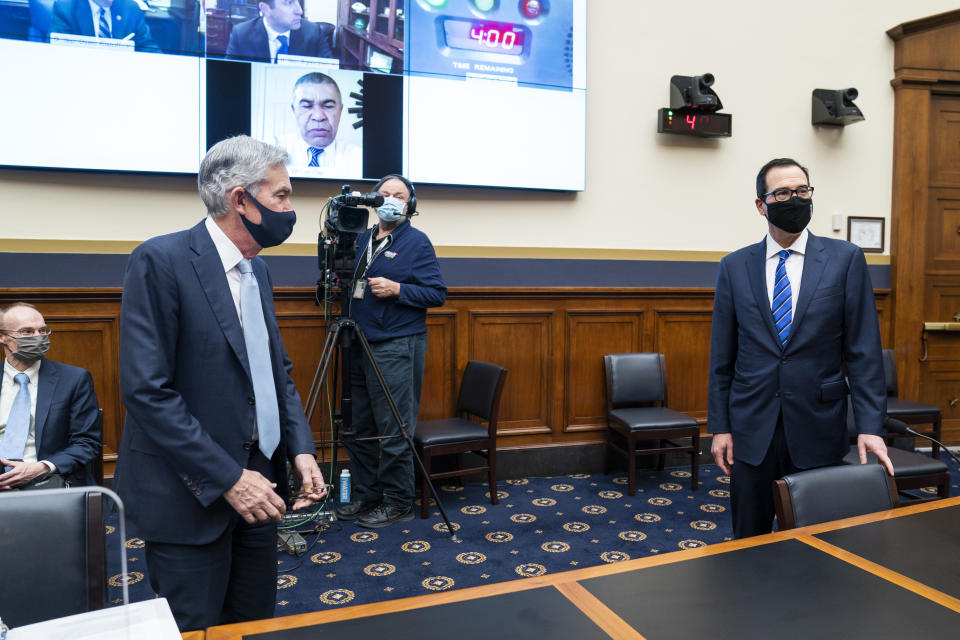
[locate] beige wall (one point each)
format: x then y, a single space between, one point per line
644 191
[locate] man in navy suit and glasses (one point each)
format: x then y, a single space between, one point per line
281 29
213 416
794 318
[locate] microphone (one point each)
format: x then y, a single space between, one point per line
901 428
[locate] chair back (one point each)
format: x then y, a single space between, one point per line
635 379
52 554
890 372
832 493
96 465
480 391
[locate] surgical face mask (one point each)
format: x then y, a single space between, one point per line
31 348
274 227
791 215
391 210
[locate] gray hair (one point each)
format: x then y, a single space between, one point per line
235 162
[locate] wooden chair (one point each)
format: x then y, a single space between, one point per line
910 411
480 392
637 412
97 463
53 554
831 493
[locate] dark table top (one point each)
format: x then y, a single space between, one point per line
780 590
922 546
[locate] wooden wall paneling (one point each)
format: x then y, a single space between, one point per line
683 336
441 377
944 136
90 342
590 336
943 234
521 342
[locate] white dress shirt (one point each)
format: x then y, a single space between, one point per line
794 265
230 256
338 160
273 42
8 391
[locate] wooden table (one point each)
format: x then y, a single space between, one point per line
893 574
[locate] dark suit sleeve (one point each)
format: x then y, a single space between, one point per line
142 37
426 287
862 350
723 353
233 46
149 335
60 20
83 443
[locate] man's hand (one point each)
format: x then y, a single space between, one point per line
21 474
876 446
312 486
383 287
722 450
254 498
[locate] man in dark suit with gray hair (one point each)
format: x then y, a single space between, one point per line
212 412
794 316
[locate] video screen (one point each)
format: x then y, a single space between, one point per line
466 92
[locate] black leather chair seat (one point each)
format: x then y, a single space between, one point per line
906 464
448 431
897 407
642 418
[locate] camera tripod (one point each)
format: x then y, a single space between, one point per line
340 337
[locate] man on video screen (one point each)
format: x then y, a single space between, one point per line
281 29
115 19
317 106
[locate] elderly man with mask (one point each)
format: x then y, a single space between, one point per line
398 278
213 416
49 433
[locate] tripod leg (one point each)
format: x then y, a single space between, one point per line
403 427
320 375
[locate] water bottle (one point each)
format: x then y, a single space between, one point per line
345 486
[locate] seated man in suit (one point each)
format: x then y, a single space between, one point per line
280 29
315 151
48 410
118 19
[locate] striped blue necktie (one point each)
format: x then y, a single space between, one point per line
258 355
103 28
782 305
14 439
314 154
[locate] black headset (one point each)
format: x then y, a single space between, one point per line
412 201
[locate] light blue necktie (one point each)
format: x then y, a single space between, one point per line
258 355
14 439
782 306
314 155
284 47
104 26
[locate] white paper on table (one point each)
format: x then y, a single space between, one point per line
147 620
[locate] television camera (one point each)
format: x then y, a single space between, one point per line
345 218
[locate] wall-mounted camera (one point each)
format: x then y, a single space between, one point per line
835 108
693 109
694 92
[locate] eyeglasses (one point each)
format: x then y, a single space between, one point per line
783 194
26 333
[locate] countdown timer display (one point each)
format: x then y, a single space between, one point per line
489 37
530 42
692 122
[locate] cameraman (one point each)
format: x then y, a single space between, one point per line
397 277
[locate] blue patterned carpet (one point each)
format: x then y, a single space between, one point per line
542 525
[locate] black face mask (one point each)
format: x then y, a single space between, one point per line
791 215
274 227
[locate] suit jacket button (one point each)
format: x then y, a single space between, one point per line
783 360
777 394
251 401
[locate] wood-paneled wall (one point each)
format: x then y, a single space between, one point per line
551 340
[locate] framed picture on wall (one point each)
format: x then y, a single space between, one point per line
866 233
